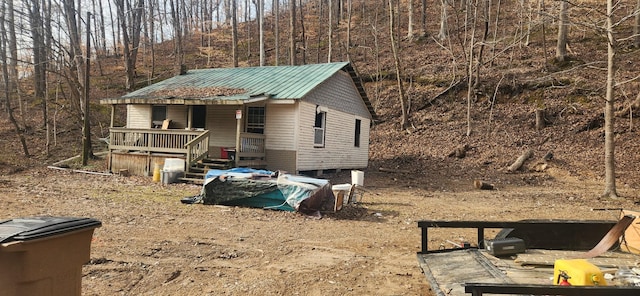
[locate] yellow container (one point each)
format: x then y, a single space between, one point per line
580 271
156 172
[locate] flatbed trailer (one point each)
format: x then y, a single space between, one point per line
473 270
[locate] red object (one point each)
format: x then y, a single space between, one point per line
565 279
223 153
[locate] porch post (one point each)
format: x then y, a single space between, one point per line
238 127
113 111
189 116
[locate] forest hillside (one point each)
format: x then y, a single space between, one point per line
481 83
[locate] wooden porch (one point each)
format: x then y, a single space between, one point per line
139 149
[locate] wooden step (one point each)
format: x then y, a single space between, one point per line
198 181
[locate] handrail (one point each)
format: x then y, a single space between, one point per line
197 149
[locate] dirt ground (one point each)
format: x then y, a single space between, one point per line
152 244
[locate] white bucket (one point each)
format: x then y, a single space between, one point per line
357 178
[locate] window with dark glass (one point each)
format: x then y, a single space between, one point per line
158 115
319 129
356 142
255 120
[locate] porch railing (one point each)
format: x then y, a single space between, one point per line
251 146
194 145
197 149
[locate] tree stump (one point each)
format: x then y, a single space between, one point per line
483 185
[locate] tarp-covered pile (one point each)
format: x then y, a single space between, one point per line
267 189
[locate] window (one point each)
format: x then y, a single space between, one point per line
319 129
255 120
356 141
158 115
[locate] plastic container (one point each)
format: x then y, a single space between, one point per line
156 172
173 170
580 271
357 178
173 165
44 255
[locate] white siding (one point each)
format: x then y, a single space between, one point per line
221 123
280 126
138 116
339 93
178 115
339 151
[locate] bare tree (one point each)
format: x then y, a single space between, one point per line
609 118
636 26
410 24
177 34
39 54
404 120
260 15
131 42
292 33
330 45
302 31
443 33
6 78
563 24
276 10
234 32
470 71
13 52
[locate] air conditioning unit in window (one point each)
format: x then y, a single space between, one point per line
318 137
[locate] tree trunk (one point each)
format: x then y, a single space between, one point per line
636 26
483 185
260 15
303 37
423 18
276 9
176 22
292 33
330 45
609 118
234 33
86 129
410 24
348 45
404 121
13 61
6 79
470 83
563 24
443 33
39 54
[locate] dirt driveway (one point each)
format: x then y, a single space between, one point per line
151 244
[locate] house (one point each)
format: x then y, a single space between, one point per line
299 119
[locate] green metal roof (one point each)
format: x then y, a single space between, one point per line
279 82
238 85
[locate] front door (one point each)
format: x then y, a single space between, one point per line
199 116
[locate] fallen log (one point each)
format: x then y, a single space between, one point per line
520 161
483 185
